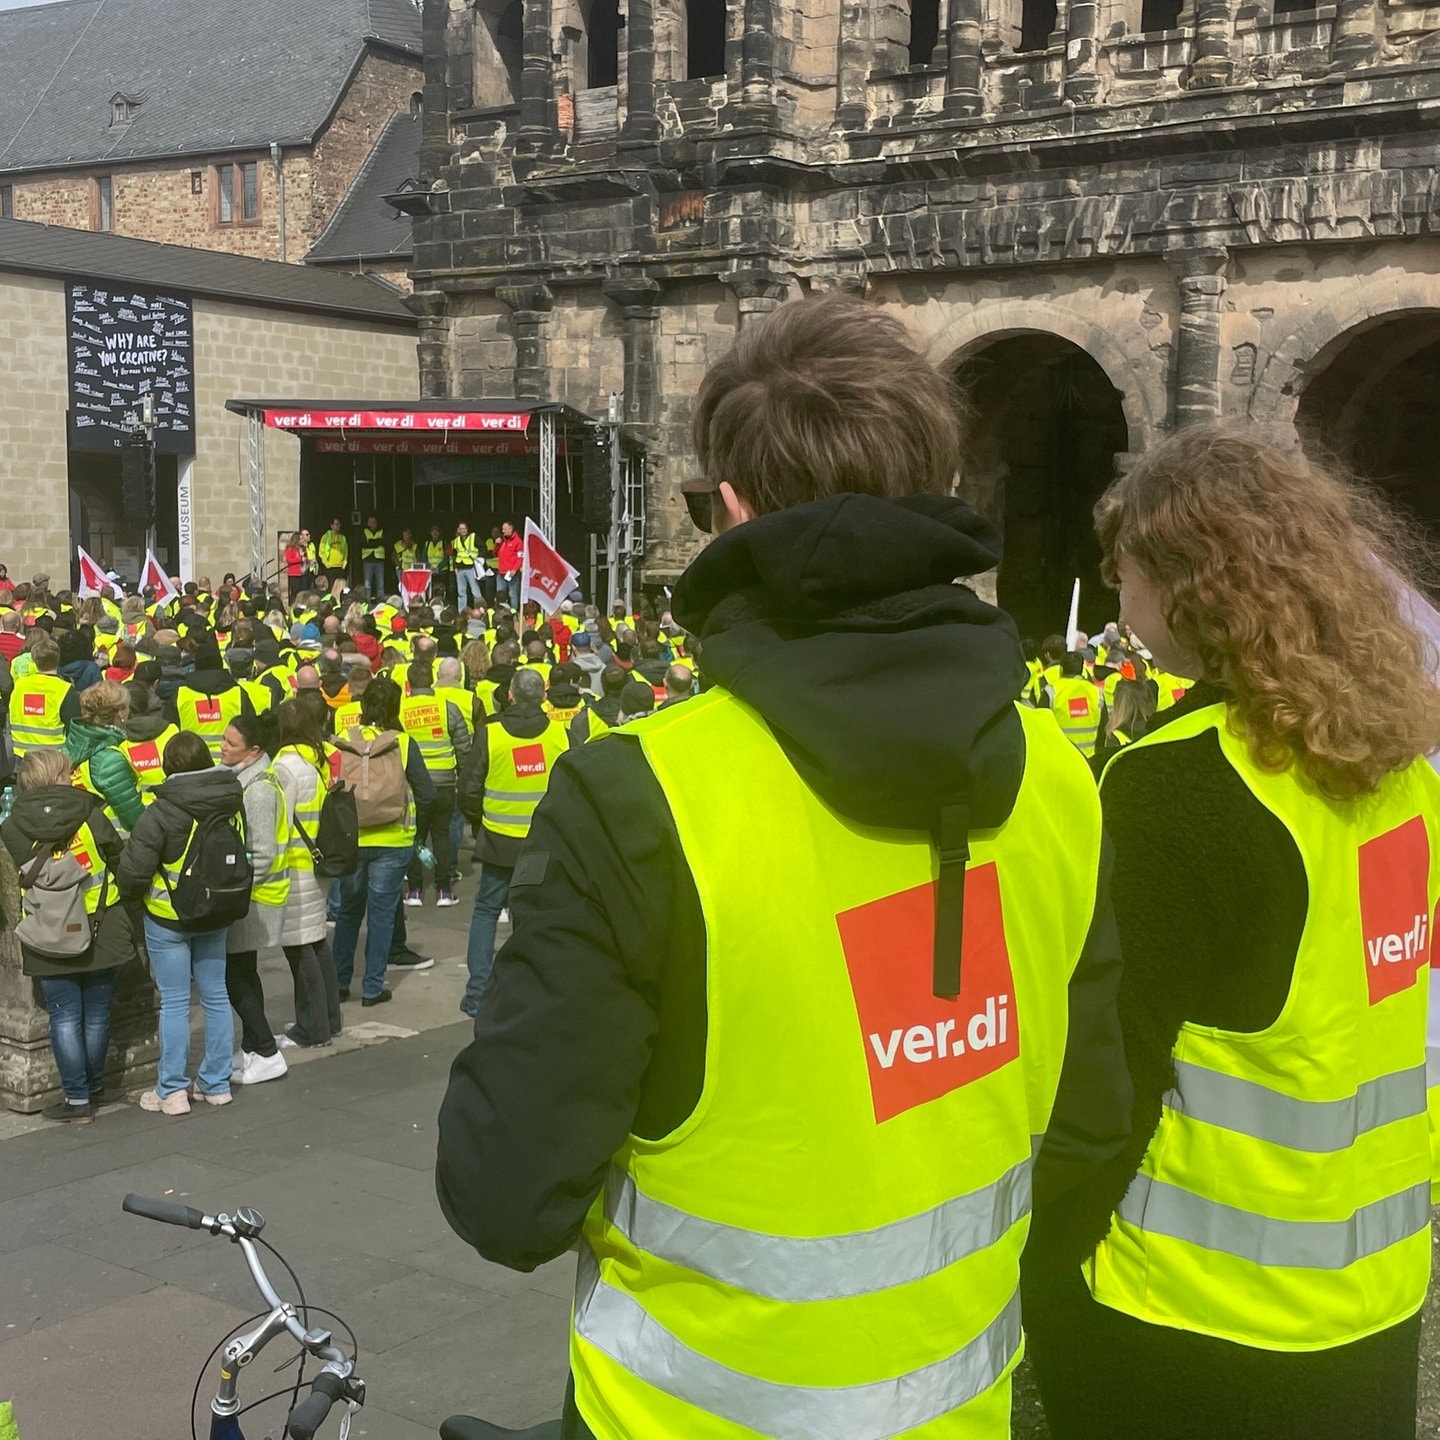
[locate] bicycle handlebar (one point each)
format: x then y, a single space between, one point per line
310 1414
169 1212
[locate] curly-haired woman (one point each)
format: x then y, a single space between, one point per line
1264 1246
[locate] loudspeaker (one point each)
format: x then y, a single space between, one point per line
137 481
595 480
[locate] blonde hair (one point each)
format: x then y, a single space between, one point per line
475 657
105 703
826 397
1283 579
47 766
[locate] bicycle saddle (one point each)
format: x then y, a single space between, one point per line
467 1427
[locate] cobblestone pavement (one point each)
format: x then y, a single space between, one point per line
105 1319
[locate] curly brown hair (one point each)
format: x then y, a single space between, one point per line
1284 578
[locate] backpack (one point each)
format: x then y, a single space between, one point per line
54 921
375 771
335 847
213 890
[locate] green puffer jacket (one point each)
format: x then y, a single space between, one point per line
111 777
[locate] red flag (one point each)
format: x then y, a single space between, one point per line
153 577
414 584
548 575
92 576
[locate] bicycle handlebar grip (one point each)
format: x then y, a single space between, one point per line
170 1212
309 1415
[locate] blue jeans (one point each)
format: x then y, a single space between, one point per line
79 1007
374 890
175 957
480 953
374 578
457 836
466 583
511 587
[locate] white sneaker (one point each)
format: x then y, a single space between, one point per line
504 917
284 1042
259 1068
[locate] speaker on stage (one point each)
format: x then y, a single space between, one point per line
137 480
595 480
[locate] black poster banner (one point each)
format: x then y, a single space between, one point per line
126 343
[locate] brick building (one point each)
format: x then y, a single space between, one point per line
195 122
1107 217
256 327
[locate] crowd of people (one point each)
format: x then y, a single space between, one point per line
134 724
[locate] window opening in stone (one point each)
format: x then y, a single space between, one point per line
704 38
499 52
1159 15
603 35
924 30
1291 7
1037 20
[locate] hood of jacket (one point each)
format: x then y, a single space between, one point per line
82 674
84 740
209 682
50 815
565 697
524 720
201 794
147 726
891 688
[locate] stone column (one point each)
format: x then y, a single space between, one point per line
1082 49
1214 62
757 63
963 69
1200 275
530 303
429 306
852 63
638 297
758 290
537 80
1355 40
641 126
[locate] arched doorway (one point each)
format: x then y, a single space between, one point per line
1374 409
1044 427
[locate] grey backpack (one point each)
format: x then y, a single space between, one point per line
54 921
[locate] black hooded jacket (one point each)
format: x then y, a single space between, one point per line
892 691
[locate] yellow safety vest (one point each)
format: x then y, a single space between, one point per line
1033 682
1284 1200
402 832
261 696
334 550
80 778
518 776
596 725
273 888
35 712
811 1253
306 812
1077 710
146 759
406 555
435 555
1111 681
164 880
1169 689
373 545
208 715
462 700
485 691
87 855
561 714
466 551
424 720
310 555
347 716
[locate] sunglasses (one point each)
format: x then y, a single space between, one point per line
700 496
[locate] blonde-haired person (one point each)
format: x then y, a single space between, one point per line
94 746
1266 1238
1126 718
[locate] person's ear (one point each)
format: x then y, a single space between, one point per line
736 508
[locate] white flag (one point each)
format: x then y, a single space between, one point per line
153 577
548 576
92 575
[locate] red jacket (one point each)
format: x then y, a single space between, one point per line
562 633
510 554
11 645
369 647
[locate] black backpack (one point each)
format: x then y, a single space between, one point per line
213 890
335 847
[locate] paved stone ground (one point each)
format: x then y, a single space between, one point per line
106 1318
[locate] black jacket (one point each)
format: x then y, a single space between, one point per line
163 831
50 817
594 1025
525 722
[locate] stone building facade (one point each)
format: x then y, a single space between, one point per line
1107 217
120 134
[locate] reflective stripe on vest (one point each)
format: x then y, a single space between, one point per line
762 1295
517 777
208 716
373 547
466 552
1283 1201
146 759
274 888
1077 712
462 700
81 778
87 855
35 712
426 723
306 811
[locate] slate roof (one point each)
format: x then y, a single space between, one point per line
52 250
364 227
216 74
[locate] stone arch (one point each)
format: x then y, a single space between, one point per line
1144 395
1309 348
